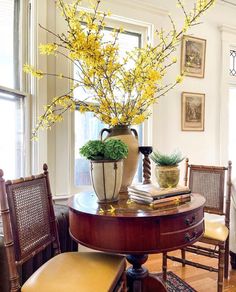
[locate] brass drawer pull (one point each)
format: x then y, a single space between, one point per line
189 238
190 221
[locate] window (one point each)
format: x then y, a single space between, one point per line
87 127
9 49
12 100
232 69
12 134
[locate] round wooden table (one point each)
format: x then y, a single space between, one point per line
135 230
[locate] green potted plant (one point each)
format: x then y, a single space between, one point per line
167 171
106 159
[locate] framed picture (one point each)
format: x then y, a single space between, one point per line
193 53
192 111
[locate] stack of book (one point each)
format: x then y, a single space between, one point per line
159 197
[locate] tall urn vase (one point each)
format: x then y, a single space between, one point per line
130 164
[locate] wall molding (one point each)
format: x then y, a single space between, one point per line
228 2
143 5
227 28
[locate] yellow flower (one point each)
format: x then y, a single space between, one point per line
154 75
114 121
139 119
179 79
30 69
120 88
82 108
112 210
174 59
60 76
48 49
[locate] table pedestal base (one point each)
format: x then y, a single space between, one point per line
138 277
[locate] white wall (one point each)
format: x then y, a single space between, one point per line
201 147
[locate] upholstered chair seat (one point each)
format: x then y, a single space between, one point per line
216 230
77 272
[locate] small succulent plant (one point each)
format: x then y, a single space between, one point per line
166 160
113 149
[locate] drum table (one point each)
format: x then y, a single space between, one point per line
136 230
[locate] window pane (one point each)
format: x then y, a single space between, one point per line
232 66
6 48
12 134
87 127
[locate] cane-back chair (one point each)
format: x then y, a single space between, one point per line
215 186
29 226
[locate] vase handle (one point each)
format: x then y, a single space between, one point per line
104 130
135 133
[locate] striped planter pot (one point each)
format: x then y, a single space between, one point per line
106 177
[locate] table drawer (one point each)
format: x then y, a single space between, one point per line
180 221
176 239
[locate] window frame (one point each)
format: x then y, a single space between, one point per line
228 42
132 28
20 82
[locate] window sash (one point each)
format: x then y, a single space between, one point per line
81 165
13 132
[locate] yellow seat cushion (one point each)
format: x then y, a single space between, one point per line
214 217
77 272
216 230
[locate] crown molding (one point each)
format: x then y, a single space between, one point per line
142 5
231 3
228 28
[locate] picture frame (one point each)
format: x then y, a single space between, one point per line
192 111
193 53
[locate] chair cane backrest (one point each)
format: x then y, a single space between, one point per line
29 224
210 181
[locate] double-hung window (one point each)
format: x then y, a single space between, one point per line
12 98
87 127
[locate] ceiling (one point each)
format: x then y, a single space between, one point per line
233 2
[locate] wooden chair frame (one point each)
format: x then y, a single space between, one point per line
222 208
29 230
14 253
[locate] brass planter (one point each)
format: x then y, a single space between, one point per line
167 176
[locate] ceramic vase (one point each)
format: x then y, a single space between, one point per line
130 137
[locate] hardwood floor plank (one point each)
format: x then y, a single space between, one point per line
199 279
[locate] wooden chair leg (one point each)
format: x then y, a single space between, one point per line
124 283
183 256
221 268
226 265
164 266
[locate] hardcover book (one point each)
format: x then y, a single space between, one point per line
154 192
174 200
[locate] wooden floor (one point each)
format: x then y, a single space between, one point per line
200 280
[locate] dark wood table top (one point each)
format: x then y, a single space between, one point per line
132 228
86 202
